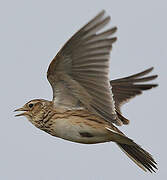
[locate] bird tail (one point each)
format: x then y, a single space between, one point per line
139 156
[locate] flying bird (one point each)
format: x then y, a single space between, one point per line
86 104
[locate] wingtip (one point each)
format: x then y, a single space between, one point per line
115 29
147 70
114 39
155 85
150 69
101 13
154 76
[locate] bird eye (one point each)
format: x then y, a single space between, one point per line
31 105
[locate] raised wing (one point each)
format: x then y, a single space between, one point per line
79 74
127 88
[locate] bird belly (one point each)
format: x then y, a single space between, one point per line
80 130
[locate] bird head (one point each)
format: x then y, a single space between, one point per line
34 109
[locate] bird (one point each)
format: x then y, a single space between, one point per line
86 104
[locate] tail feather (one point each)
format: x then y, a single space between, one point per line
141 157
137 154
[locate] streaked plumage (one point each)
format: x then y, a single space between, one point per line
85 102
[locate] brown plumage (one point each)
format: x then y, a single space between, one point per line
126 88
86 104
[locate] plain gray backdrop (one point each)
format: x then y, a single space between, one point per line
31 33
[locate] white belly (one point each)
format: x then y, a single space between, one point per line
80 131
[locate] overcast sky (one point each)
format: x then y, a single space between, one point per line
31 33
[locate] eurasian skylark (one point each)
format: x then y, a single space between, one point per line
86 104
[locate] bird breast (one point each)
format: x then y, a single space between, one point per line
79 129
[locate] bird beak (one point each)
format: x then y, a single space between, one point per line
21 109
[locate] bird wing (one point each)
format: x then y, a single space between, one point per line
79 73
128 87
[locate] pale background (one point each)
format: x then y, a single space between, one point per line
31 33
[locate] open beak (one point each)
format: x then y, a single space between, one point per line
21 109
